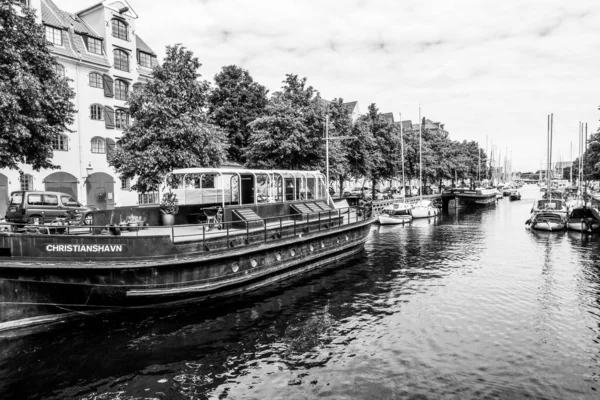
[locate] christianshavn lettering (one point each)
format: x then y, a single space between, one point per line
85 248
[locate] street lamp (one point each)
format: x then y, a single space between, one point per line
88 170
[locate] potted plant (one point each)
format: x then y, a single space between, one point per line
133 222
169 206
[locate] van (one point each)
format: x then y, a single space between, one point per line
38 207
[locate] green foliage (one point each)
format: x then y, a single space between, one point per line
170 127
35 103
169 203
289 135
235 102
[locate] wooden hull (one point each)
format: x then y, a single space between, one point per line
155 272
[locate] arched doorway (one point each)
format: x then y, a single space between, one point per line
100 191
61 182
3 195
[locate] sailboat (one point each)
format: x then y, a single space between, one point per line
424 208
397 213
582 217
549 214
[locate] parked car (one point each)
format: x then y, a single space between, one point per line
30 207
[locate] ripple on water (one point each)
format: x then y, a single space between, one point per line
468 305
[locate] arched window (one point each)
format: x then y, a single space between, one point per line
121 60
60 143
119 29
26 182
121 89
121 118
96 80
97 112
60 70
98 145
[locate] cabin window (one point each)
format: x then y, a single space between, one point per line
50 200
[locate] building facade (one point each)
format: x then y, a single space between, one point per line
98 50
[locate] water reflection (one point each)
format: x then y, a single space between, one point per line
466 305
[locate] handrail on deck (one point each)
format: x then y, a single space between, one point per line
343 216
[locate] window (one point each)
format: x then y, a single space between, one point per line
121 119
97 112
54 35
125 184
24 2
94 45
50 200
121 89
148 198
60 70
68 201
96 80
26 182
60 143
16 198
121 60
34 199
145 60
119 29
98 145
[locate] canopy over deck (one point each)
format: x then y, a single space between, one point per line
237 186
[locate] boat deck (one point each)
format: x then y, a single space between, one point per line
196 232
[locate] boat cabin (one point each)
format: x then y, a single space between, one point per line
550 204
242 194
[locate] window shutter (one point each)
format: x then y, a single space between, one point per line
109 117
85 40
108 86
110 147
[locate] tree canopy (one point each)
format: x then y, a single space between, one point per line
236 101
170 128
35 102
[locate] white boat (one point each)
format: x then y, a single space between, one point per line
397 213
550 212
424 209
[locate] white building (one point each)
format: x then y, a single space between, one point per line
97 49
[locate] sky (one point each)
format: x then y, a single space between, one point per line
491 71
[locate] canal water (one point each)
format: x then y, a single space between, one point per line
469 306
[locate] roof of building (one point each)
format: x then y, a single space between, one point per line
350 106
73 28
389 116
142 46
407 125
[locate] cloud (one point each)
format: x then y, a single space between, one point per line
492 69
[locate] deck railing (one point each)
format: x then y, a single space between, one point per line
218 235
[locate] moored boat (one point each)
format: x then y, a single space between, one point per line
397 213
424 209
477 197
515 195
584 219
86 270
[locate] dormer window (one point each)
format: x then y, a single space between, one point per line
54 35
119 29
94 45
145 60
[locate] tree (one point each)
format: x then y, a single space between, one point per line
235 102
35 103
289 135
385 152
170 128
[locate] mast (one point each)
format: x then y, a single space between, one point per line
420 158
402 151
571 167
548 194
479 165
